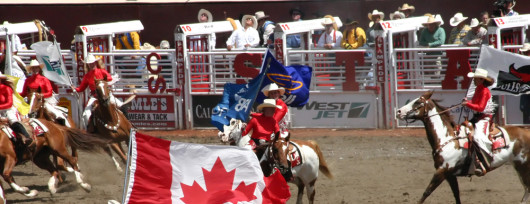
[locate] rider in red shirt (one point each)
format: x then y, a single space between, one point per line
7 110
273 91
483 106
94 72
263 125
36 81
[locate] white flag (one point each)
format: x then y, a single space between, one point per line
54 69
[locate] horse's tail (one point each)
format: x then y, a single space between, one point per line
322 165
83 140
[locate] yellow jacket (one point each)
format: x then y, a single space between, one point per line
124 42
353 40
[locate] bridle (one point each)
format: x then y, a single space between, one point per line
273 162
424 106
33 99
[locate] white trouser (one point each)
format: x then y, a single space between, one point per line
11 114
50 105
90 103
482 130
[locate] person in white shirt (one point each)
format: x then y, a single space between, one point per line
246 37
331 38
205 16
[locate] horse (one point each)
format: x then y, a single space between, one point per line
49 139
110 121
37 110
299 161
452 160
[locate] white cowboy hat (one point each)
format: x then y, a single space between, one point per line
480 73
376 13
399 14
525 47
331 19
204 11
272 87
245 17
407 7
34 63
164 44
457 19
260 15
268 103
90 59
474 23
433 19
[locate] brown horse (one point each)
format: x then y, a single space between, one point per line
54 142
110 121
38 110
452 160
304 158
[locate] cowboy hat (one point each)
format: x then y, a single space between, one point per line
90 59
399 14
245 17
268 103
261 15
525 47
296 10
474 23
329 19
376 13
407 7
480 73
272 87
208 14
457 19
433 19
34 63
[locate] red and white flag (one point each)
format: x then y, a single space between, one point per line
164 171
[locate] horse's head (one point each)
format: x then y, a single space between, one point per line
102 91
36 103
279 155
417 109
232 132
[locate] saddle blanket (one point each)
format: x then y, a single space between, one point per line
8 132
295 156
499 140
38 128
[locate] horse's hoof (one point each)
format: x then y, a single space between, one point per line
24 189
31 193
86 187
69 169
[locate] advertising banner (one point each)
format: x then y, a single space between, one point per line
202 108
337 110
152 111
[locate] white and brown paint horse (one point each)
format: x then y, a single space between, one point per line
449 158
279 154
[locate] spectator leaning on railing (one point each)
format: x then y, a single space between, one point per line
375 17
331 38
433 36
245 37
294 40
477 34
460 29
353 36
407 10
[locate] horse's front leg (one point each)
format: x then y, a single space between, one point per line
453 182
9 164
436 180
116 146
109 152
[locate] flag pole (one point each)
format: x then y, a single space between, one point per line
267 64
133 134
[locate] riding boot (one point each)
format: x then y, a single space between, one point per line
20 130
91 127
125 110
61 121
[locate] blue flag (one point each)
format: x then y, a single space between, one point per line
296 80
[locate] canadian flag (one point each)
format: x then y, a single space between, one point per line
164 171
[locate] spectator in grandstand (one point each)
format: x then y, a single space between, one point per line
353 35
407 10
205 16
397 15
508 8
477 34
164 44
460 29
484 18
130 40
294 41
331 38
525 98
375 17
263 125
433 36
245 37
265 29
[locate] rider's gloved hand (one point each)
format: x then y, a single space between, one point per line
73 89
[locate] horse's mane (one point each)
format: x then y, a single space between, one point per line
446 114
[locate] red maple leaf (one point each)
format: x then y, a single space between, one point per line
218 187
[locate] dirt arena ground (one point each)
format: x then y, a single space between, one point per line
370 166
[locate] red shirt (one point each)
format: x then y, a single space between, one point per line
480 99
262 127
6 97
88 79
36 81
280 113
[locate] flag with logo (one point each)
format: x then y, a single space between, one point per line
296 80
511 71
164 171
49 54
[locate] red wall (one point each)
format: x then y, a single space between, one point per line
160 20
